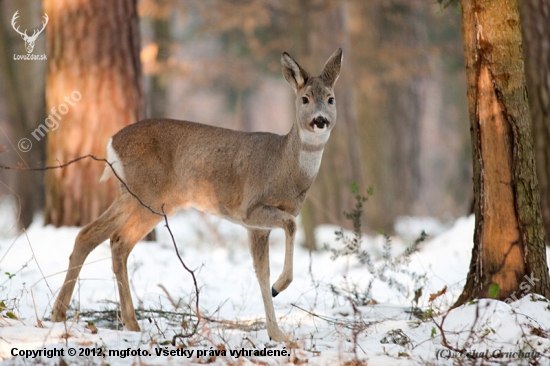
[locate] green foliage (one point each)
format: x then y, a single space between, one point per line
446 3
433 333
494 290
7 312
429 313
351 246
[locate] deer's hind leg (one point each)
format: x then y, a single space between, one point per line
138 223
87 240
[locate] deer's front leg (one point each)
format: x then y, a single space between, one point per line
285 278
269 217
259 248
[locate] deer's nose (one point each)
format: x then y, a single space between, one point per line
320 122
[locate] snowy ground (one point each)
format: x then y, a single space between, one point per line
324 327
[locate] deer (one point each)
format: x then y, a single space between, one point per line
29 40
256 179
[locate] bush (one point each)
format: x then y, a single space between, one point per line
384 270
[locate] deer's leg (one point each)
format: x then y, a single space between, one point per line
138 224
259 247
285 278
270 218
87 240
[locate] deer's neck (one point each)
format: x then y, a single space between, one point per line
308 149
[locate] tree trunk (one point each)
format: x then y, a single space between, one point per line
406 105
330 195
535 20
93 90
159 80
509 237
23 91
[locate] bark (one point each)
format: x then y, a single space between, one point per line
535 20
23 91
159 81
330 195
93 51
509 236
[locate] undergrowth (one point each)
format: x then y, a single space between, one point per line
384 270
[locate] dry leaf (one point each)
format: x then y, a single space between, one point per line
437 294
92 328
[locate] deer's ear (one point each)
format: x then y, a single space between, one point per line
331 70
293 73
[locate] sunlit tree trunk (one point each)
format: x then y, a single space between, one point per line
535 22
93 90
509 236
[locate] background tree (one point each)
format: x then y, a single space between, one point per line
93 49
401 95
509 237
159 76
535 25
22 88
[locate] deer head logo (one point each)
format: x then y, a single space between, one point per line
29 40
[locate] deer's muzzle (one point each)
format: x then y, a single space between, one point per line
320 122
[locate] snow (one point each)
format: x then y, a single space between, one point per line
324 327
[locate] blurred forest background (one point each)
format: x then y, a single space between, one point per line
402 112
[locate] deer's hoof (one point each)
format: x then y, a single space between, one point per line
132 326
277 336
274 292
58 316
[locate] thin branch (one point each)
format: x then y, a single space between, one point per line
163 214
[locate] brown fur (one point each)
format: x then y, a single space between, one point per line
259 180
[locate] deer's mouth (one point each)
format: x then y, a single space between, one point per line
320 122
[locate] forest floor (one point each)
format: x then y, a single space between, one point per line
328 312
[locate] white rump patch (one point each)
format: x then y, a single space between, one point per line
113 159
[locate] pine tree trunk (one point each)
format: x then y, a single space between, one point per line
94 84
535 21
509 237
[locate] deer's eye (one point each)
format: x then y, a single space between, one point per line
331 100
305 100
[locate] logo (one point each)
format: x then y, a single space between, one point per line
29 40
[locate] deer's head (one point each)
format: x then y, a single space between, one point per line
315 102
29 40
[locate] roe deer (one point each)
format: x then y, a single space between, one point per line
258 180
